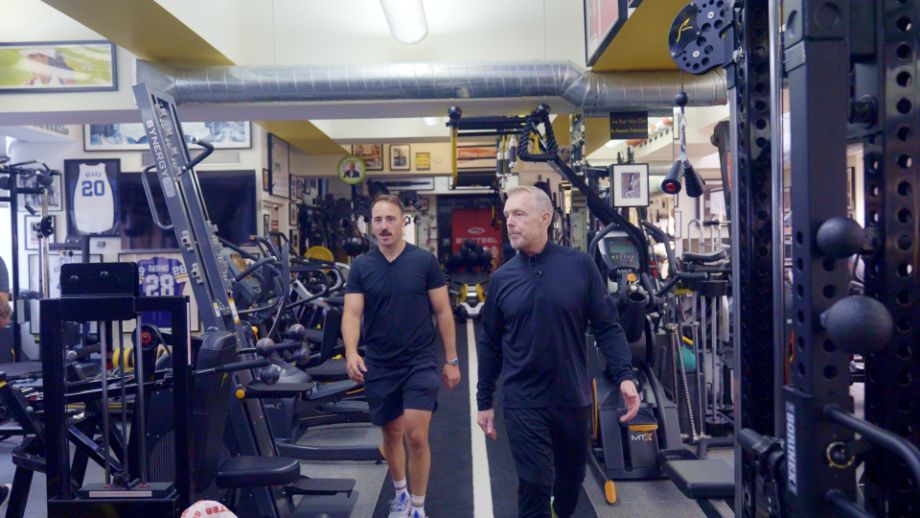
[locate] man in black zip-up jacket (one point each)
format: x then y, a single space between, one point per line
534 321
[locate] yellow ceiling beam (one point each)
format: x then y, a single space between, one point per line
561 129
304 136
144 28
597 133
642 42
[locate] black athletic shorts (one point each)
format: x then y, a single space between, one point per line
389 391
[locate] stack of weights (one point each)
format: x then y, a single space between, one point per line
470 258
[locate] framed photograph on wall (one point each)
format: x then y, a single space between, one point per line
851 189
58 66
279 156
163 273
423 161
293 214
131 136
294 237
35 200
399 157
55 261
630 185
266 180
603 19
372 154
92 196
28 233
476 157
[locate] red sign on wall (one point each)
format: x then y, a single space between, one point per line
476 224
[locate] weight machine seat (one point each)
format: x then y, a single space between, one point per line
333 369
17 369
335 301
252 471
709 258
700 479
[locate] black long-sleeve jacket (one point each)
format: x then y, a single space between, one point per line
533 329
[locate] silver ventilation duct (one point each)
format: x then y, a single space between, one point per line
590 92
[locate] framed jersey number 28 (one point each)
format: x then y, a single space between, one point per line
93 207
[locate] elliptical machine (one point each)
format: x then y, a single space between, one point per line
623 451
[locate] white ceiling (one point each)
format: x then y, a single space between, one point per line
291 32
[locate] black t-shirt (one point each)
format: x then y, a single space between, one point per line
397 329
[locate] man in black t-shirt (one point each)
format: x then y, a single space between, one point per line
397 287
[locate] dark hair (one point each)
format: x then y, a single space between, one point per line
389 198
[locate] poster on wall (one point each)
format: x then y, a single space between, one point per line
35 200
55 261
476 224
371 154
132 137
603 19
57 66
279 161
163 274
92 196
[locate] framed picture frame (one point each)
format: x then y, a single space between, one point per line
163 273
130 136
55 261
299 187
851 189
279 164
31 238
423 161
399 157
35 200
630 185
294 237
603 20
58 66
92 196
477 156
266 225
371 154
293 214
351 169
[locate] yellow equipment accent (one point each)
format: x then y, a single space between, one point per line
643 427
320 253
453 156
610 492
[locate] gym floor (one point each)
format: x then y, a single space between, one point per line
451 488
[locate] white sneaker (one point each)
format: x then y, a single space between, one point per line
416 513
400 505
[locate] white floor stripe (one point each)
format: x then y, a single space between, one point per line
482 482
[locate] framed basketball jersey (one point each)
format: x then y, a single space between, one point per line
92 196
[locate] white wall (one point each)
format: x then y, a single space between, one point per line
355 31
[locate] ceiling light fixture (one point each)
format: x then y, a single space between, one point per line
406 19
431 121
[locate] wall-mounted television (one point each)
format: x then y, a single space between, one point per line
230 198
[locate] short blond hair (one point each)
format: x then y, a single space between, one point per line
539 196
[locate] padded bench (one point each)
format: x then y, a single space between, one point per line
248 471
709 478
